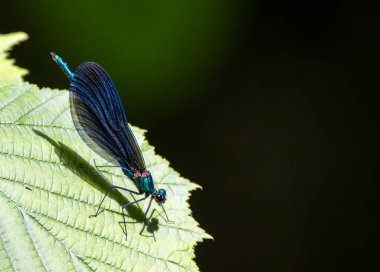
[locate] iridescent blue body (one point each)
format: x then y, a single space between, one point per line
101 122
145 184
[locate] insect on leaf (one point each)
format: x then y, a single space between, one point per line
49 187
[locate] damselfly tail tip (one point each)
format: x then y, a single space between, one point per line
61 63
54 56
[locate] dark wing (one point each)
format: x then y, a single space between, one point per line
99 117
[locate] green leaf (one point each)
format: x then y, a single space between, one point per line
49 187
8 72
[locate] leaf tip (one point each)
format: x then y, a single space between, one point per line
9 72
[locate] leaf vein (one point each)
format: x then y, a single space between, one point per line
95 205
7 251
33 242
36 107
59 115
14 99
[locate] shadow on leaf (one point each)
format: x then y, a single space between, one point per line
80 167
151 228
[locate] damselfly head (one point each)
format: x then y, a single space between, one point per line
160 196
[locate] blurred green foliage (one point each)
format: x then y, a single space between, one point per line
158 52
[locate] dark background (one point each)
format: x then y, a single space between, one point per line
272 106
